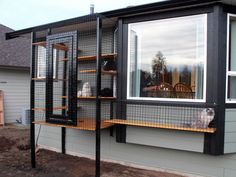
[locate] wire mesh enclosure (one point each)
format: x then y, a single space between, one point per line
170 116
66 89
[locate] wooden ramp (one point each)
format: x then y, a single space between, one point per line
1 108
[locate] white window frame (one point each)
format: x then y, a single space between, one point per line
228 73
203 100
54 65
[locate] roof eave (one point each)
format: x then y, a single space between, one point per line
114 13
22 68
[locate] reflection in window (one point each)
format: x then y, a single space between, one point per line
166 58
231 70
41 62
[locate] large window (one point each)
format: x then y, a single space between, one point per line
231 60
167 59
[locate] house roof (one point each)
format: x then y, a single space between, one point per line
165 4
14 53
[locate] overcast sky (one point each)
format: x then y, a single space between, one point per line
21 14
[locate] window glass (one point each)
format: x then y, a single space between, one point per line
233 45
166 58
41 58
232 87
231 64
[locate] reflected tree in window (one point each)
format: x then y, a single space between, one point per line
158 68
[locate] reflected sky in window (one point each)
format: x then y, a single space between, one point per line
181 40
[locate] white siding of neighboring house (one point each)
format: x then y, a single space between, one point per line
16 87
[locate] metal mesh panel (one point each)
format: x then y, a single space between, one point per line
86 84
179 117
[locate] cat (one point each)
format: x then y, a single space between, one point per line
204 118
86 90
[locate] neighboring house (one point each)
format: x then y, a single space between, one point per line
14 74
165 97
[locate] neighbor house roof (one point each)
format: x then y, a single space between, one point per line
14 53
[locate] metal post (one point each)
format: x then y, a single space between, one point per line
32 99
49 78
63 140
98 93
63 129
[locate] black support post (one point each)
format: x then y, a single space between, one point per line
63 140
98 93
32 98
63 129
49 79
121 80
217 35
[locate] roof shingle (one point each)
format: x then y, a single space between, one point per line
14 52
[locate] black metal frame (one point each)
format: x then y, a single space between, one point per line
98 93
32 103
71 118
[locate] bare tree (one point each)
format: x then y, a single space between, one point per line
158 67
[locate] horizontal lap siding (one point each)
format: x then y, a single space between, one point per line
230 131
181 140
189 141
16 87
82 143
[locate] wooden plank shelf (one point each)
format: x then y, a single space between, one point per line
55 108
92 98
83 124
55 80
94 57
111 72
44 79
160 125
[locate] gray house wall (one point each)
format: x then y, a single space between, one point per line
16 87
82 143
230 131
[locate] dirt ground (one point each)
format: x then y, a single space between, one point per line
15 161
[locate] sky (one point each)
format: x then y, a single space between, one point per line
20 14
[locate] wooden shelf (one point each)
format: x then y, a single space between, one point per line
55 108
94 57
44 79
83 124
159 125
111 72
92 98
55 80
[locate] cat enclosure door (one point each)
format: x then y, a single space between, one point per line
61 78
